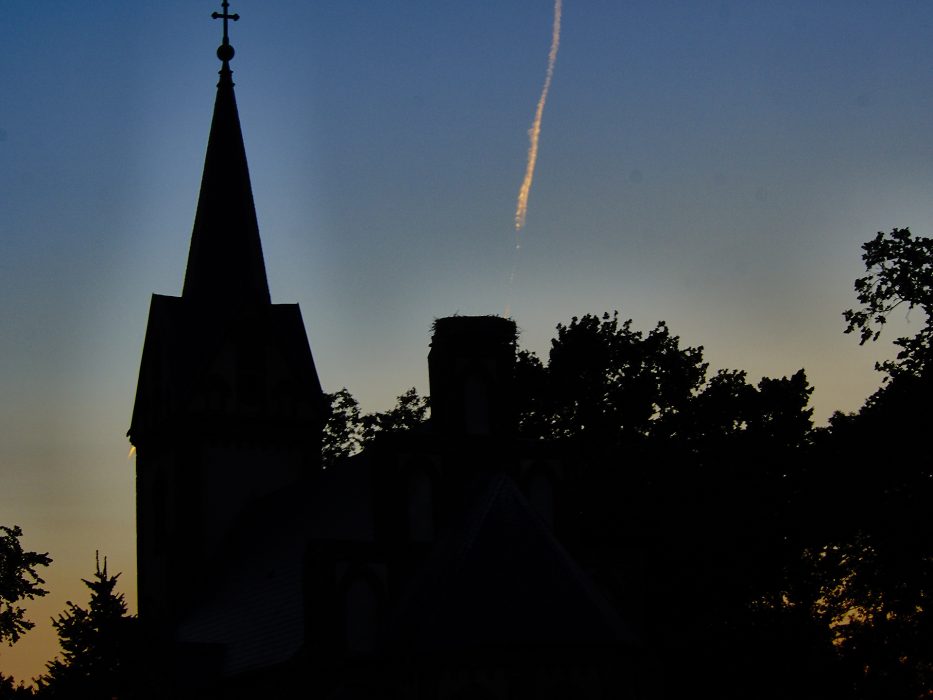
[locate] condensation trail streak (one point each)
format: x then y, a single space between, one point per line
521 208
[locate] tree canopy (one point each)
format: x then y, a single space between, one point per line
19 582
738 539
608 385
604 380
347 430
900 274
801 555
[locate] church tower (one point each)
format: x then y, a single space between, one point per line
228 407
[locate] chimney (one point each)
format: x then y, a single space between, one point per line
471 366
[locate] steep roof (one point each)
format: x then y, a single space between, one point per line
225 306
225 263
181 355
503 580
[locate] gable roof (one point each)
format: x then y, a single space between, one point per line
182 347
503 580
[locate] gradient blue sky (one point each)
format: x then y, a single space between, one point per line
713 164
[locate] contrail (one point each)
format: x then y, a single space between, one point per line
521 208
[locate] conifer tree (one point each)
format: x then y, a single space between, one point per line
11 690
95 644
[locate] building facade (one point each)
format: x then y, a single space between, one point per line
429 566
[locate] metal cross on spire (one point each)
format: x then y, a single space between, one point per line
225 51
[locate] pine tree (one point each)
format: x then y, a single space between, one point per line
95 644
11 690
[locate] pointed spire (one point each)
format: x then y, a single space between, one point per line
225 263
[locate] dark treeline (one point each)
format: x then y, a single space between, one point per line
100 649
755 554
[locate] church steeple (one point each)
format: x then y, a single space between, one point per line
229 407
225 263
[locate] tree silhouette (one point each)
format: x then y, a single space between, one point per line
347 430
19 581
10 690
695 479
864 569
410 412
605 381
97 645
737 538
900 272
342 435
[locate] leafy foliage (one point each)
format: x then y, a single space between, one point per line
873 571
900 272
342 432
802 556
605 379
410 411
692 482
876 570
347 431
610 385
19 581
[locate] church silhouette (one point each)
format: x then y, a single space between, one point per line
428 566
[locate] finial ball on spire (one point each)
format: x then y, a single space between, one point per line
225 52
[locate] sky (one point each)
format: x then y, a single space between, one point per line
714 164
